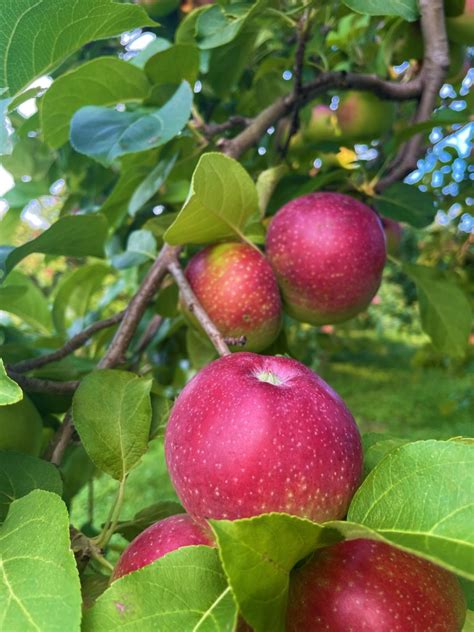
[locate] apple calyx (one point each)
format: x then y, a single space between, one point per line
269 377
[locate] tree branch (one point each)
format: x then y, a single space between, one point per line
197 309
60 441
37 385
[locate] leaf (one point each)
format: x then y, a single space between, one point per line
39 582
106 134
174 64
150 185
28 302
469 622
406 203
30 158
445 311
228 62
10 392
146 517
222 198
419 497
71 236
267 182
20 474
155 46
407 9
378 450
60 27
258 555
74 292
112 414
101 81
200 350
6 143
141 247
184 590
215 27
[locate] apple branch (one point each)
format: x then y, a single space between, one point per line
37 385
197 309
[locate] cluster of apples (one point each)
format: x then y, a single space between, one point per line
253 434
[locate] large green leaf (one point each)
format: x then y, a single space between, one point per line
39 582
406 203
258 555
446 313
26 301
105 134
407 9
37 35
184 590
71 236
150 185
222 198
20 474
112 414
101 81
220 25
174 64
420 497
10 392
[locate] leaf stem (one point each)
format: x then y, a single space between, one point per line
112 521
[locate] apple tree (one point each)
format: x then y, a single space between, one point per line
198 189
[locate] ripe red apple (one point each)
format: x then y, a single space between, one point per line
253 434
372 586
393 235
236 286
159 539
362 116
328 253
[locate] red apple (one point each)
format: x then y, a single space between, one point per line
393 235
236 286
253 434
328 253
159 539
372 586
362 116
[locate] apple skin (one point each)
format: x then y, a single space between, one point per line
393 235
372 586
236 286
362 116
21 428
328 254
322 124
461 29
159 539
253 434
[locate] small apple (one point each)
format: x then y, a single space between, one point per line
252 434
21 427
236 286
362 116
159 539
372 586
328 254
393 235
460 29
158 8
322 125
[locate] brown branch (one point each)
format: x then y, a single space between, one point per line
60 441
71 345
212 129
197 309
37 385
239 341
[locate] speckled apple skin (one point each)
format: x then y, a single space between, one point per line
366 586
159 539
328 253
363 116
237 446
237 287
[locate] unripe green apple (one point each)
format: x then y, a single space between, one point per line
322 125
362 116
21 427
460 29
158 8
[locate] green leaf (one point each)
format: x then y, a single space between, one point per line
406 203
407 9
215 27
101 81
258 555
39 582
30 158
71 236
419 497
20 474
6 144
184 590
141 247
166 303
74 292
146 517
10 392
112 414
469 622
60 27
445 311
150 185
378 450
174 64
228 62
28 302
105 134
267 182
222 198
155 46
200 350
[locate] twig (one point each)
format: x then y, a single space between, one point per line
37 385
60 441
196 308
239 341
71 345
212 129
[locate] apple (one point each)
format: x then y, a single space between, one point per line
252 434
322 124
362 116
453 8
159 539
393 235
21 427
460 29
236 286
158 8
372 586
328 254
